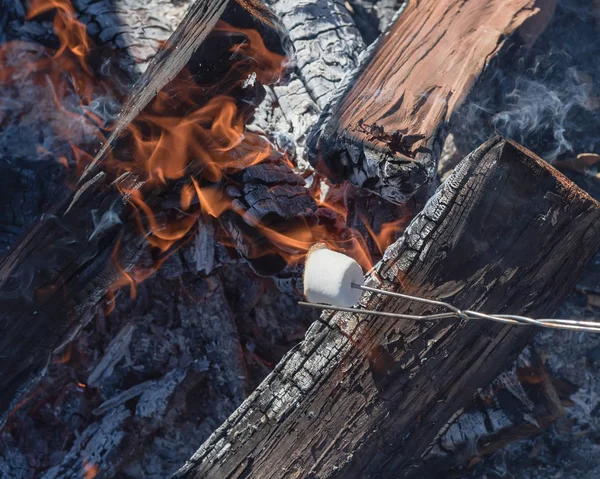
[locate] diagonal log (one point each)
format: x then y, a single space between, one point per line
385 126
365 396
59 271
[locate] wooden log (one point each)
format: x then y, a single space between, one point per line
326 46
54 276
198 22
385 127
134 29
520 403
365 396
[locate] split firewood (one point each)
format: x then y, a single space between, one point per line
385 126
368 395
55 275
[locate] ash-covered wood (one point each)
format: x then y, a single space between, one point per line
520 403
367 395
326 46
385 127
54 276
133 29
177 52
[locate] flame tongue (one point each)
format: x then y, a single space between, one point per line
191 141
71 32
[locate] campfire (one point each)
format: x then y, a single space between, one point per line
229 252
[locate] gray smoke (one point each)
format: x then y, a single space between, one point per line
544 98
534 106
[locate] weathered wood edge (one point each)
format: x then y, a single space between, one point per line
283 393
366 163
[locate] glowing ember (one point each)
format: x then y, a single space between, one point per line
89 470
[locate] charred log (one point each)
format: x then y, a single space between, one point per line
385 128
365 395
326 46
133 30
520 403
55 275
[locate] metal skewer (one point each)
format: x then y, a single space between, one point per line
456 313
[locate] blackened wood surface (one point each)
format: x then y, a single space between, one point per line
410 82
365 397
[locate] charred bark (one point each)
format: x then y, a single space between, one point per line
520 403
54 276
366 396
134 29
326 46
385 128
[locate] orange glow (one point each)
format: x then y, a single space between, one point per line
387 234
212 201
89 470
335 199
267 65
65 357
191 136
70 32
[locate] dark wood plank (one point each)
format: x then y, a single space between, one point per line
365 397
385 127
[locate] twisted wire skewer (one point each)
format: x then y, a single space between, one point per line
456 313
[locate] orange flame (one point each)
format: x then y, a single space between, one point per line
65 357
387 233
89 470
70 31
198 146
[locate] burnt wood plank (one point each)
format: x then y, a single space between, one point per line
365 396
384 128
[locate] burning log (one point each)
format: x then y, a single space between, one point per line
178 51
134 30
125 210
385 127
366 395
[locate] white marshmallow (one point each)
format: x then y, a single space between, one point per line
328 278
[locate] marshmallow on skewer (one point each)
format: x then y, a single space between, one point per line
328 277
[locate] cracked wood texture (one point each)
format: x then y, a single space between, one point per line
326 46
134 29
366 396
410 82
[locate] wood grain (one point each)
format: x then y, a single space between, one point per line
366 397
411 81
